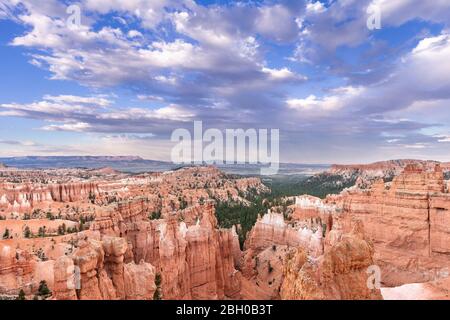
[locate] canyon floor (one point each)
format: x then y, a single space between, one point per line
377 231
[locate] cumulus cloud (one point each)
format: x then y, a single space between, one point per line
282 74
333 102
310 67
422 75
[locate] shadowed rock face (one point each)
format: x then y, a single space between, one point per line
408 221
340 273
318 253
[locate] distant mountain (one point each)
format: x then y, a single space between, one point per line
138 164
121 163
2 165
383 169
387 165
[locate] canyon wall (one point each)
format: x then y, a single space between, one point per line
196 259
23 198
408 221
316 252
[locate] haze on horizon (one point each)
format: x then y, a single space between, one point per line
134 71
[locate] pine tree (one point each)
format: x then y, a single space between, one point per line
41 232
27 232
43 290
6 234
21 295
158 280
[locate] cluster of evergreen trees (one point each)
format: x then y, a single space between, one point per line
319 185
232 213
42 293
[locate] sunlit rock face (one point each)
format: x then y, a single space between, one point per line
103 273
22 198
196 260
156 235
107 235
16 269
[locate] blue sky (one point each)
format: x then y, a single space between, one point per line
133 71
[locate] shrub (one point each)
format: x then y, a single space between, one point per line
21 295
41 232
269 267
155 215
43 290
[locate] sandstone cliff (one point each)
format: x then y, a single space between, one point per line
408 222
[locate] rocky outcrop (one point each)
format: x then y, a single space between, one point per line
104 275
266 247
272 229
135 275
66 279
134 228
339 274
408 222
16 270
20 270
195 259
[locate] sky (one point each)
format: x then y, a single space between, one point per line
123 77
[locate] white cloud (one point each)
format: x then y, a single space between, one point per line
315 7
276 22
144 97
443 138
335 101
150 12
77 127
134 34
71 99
171 112
422 75
282 74
167 80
